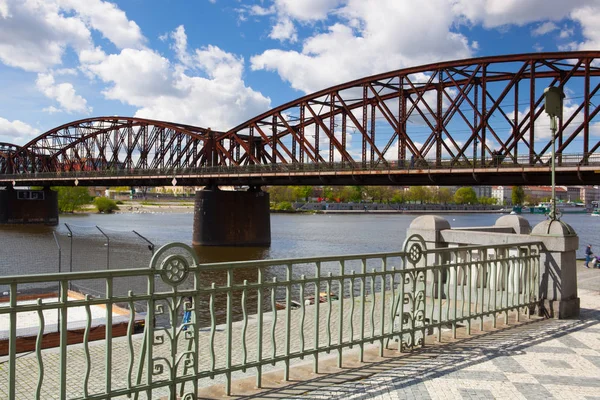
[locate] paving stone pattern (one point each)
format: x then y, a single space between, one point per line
548 359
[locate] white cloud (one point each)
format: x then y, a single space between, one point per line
284 30
259 11
63 93
369 40
35 34
496 13
306 10
108 19
589 17
566 32
4 9
162 90
544 28
16 132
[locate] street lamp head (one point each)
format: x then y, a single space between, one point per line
554 101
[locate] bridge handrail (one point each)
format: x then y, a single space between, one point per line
300 307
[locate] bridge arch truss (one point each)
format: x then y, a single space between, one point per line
476 113
458 111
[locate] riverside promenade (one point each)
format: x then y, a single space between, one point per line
534 359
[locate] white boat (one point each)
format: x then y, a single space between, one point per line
596 212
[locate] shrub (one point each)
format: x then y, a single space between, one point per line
72 199
284 206
105 205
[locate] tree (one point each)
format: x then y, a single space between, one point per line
444 196
303 192
281 193
465 195
518 195
352 193
71 199
398 196
487 200
379 194
421 194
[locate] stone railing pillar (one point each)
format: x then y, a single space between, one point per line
429 227
558 266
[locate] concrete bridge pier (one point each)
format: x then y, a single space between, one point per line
28 206
231 218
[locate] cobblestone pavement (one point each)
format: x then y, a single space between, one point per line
539 360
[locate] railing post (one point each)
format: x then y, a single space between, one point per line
558 290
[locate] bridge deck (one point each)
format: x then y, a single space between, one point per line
317 175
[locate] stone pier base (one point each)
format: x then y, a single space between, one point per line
231 218
28 206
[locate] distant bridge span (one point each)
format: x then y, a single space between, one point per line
466 122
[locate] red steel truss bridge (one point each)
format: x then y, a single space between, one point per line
468 122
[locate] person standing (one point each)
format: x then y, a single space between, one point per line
588 255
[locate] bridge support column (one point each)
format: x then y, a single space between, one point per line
28 206
231 218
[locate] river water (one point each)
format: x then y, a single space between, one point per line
33 249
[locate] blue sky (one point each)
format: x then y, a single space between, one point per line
217 63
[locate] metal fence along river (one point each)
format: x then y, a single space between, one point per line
393 299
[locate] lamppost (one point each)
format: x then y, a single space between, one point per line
554 107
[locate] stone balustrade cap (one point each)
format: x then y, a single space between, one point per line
430 222
519 224
553 228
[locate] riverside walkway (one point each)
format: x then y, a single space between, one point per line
536 359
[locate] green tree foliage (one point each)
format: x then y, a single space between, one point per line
278 194
465 195
283 206
72 199
420 194
444 196
303 192
398 196
105 205
518 195
487 200
352 193
380 194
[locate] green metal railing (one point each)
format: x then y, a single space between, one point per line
249 315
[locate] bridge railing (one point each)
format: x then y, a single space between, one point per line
187 324
496 162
